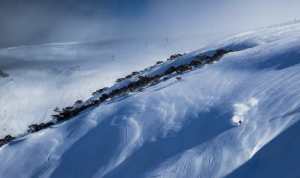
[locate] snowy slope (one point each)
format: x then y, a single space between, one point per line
181 128
43 77
279 158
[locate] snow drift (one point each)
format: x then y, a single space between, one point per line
214 122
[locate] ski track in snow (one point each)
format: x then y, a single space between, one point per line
178 129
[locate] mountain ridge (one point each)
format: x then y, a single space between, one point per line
182 127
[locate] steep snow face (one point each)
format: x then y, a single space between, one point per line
279 158
36 79
206 125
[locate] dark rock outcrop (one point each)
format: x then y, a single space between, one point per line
138 84
3 74
6 139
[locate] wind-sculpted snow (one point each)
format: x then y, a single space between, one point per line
207 124
36 79
279 158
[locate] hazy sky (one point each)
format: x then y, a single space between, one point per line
40 21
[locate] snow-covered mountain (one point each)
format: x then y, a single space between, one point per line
43 77
236 116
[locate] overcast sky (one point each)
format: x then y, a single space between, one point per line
41 21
